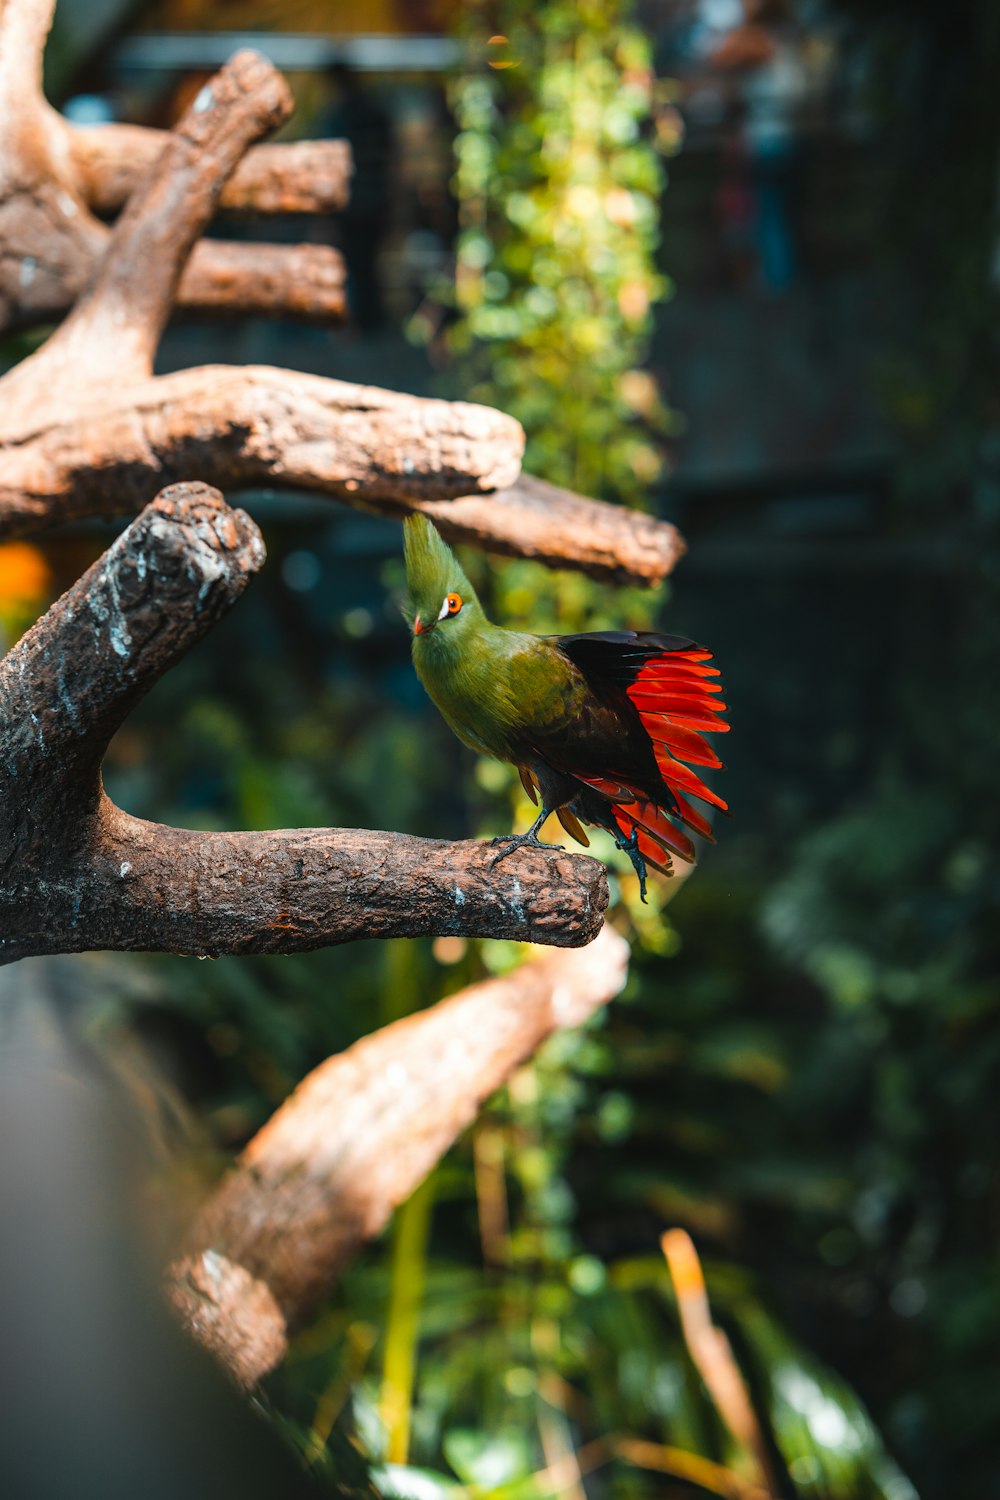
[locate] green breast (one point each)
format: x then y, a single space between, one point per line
498 689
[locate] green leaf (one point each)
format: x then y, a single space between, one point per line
488 1460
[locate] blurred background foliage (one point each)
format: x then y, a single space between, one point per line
558 190
803 1071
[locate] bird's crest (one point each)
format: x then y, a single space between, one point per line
432 570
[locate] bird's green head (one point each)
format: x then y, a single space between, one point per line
441 602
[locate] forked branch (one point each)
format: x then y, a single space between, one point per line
54 176
77 873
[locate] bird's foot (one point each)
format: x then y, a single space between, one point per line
508 842
630 846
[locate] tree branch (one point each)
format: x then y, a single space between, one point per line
539 520
354 1140
246 426
373 449
301 177
77 873
85 430
232 277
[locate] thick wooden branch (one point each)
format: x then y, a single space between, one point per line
223 279
234 278
302 177
141 887
539 520
71 681
354 1140
370 448
246 426
77 873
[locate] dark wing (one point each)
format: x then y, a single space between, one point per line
665 683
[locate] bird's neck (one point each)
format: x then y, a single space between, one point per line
469 676
479 647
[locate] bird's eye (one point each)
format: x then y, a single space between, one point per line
451 606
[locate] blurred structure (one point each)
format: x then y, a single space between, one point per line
357 117
102 1396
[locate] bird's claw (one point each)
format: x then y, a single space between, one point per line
508 842
630 846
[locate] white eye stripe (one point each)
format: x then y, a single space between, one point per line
444 611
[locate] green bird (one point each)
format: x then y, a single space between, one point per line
598 725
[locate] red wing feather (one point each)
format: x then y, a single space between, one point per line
664 689
693 719
632 811
671 687
673 700
693 818
671 692
677 775
683 742
613 790
660 668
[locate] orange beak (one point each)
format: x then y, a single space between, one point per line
419 628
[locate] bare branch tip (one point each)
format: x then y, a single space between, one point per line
201 509
248 72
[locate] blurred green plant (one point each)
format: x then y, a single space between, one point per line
558 184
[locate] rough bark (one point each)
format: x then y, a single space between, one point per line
539 520
370 448
225 278
85 430
53 175
77 873
111 336
354 1140
244 426
302 177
